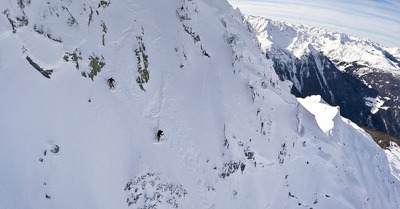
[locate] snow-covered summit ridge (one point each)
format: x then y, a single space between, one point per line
234 136
338 47
323 112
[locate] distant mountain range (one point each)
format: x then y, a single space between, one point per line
358 75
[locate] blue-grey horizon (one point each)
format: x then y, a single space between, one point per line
377 20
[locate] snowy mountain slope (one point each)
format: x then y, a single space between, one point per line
356 74
234 136
393 153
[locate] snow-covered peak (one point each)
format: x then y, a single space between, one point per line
338 47
323 112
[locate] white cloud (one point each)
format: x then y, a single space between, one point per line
378 20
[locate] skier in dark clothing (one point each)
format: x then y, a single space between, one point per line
159 134
111 82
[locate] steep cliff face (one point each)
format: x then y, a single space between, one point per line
358 75
234 136
314 74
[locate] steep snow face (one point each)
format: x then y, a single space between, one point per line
234 136
393 153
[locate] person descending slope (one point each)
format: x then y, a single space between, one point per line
159 134
111 82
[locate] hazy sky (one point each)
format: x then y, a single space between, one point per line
378 20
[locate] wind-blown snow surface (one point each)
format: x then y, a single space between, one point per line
234 135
